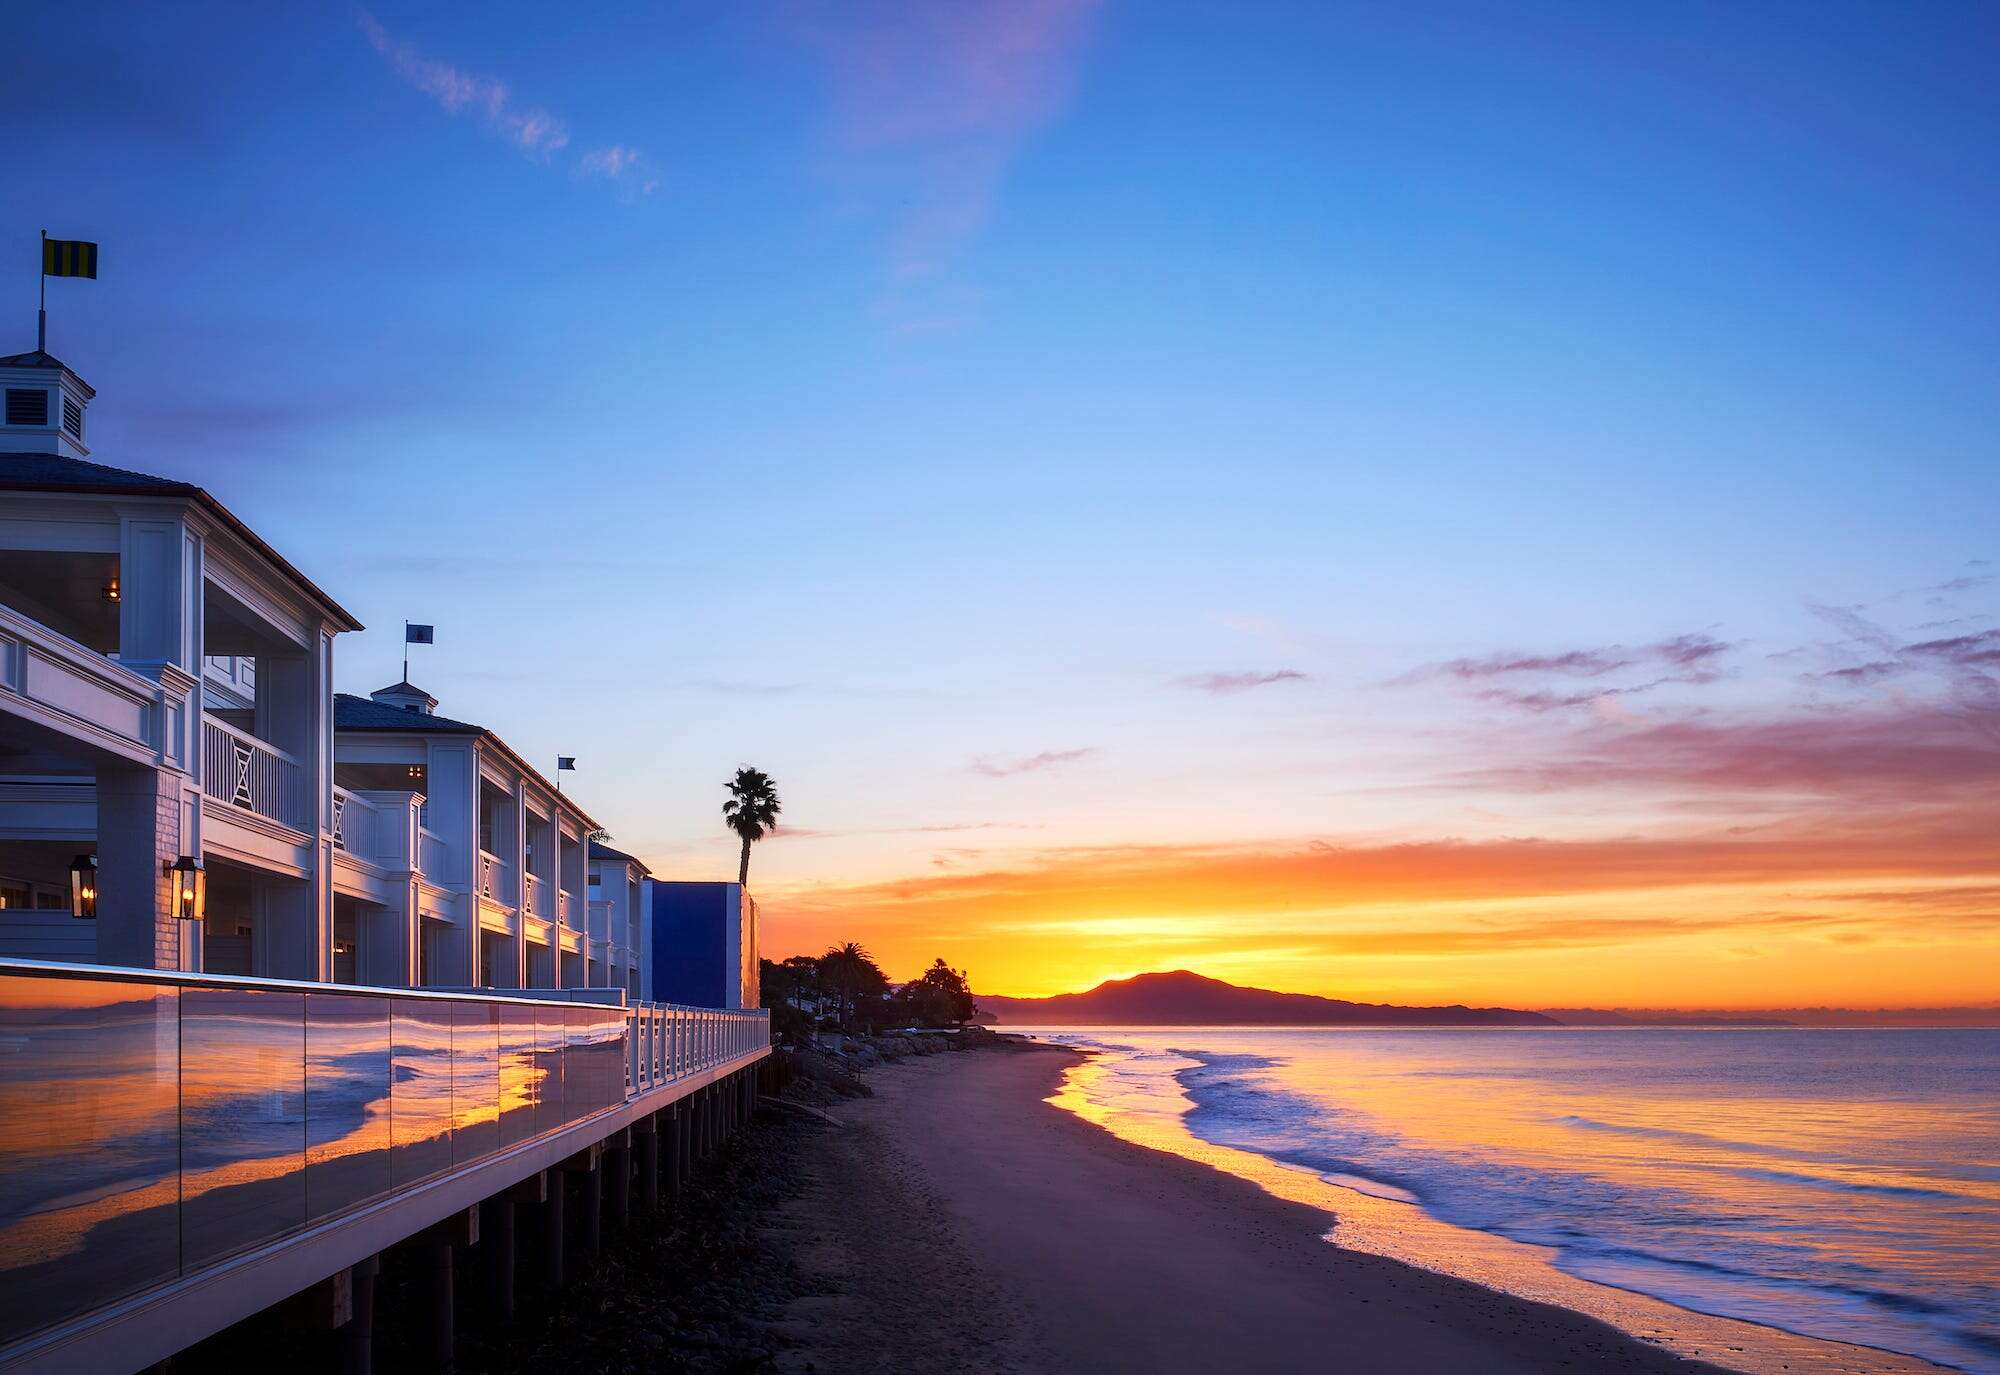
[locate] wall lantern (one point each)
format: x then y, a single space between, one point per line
190 886
83 887
111 592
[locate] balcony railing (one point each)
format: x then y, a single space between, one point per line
431 854
154 1124
355 823
496 879
565 907
534 903
240 769
55 673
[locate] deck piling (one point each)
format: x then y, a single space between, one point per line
357 1334
499 1243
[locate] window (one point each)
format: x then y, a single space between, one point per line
26 407
15 894
72 417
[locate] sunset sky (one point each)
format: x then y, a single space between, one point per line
1402 501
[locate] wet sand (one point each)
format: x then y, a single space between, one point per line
959 1223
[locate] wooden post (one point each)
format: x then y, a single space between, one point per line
649 1163
357 1340
499 1243
677 1145
590 1198
438 1246
552 1241
618 1160
438 1292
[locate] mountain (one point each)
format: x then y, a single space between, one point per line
1182 998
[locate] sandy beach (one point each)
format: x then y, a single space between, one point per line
957 1223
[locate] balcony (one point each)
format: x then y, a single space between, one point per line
496 879
159 1127
431 853
355 824
535 896
255 775
377 826
76 689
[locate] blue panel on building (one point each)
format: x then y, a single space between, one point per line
702 944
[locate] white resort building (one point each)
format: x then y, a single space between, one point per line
133 726
289 979
166 697
496 897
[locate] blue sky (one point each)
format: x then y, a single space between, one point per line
953 409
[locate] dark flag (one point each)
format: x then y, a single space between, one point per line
69 258
565 761
419 634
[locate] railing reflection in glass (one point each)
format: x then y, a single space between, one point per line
152 1124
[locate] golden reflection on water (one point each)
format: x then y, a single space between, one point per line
1402 1231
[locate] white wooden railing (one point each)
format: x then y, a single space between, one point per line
240 769
431 854
356 824
496 879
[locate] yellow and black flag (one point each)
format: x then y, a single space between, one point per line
68 258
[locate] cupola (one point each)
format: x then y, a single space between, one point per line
408 696
45 403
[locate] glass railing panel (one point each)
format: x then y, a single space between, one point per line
551 1038
89 1146
520 1073
420 1110
583 1084
610 1051
348 1067
243 1119
475 1081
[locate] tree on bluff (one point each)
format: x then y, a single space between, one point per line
857 983
939 997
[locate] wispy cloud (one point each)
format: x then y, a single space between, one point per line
626 166
993 767
933 103
1508 678
1910 753
538 134
1688 652
1240 682
532 129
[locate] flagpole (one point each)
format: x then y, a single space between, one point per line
42 315
406 651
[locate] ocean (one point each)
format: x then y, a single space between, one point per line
1837 1184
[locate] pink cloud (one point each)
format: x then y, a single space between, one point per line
1047 759
933 103
1910 753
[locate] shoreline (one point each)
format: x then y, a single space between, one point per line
947 1216
1069 1248
1401 1231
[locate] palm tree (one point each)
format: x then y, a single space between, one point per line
849 965
751 811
